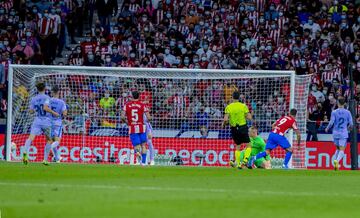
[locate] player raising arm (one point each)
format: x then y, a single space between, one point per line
59 107
133 114
42 122
276 137
341 121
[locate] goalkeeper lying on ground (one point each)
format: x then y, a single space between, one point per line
257 146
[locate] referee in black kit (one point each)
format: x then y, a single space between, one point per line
237 114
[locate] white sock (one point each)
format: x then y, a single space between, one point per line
340 156
151 149
47 151
27 145
336 154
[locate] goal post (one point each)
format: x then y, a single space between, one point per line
187 106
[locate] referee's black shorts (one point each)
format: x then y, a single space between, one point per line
240 134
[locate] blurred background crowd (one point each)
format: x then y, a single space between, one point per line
318 37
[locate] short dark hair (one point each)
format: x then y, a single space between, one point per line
236 95
135 94
293 112
55 89
341 100
40 86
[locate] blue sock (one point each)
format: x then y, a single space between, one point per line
260 155
143 158
287 157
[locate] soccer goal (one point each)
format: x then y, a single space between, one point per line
187 106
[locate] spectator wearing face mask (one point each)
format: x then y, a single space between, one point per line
114 36
7 46
203 62
107 103
76 57
108 62
314 120
347 46
276 61
192 16
45 30
317 93
214 63
55 34
23 51
147 8
346 30
337 8
330 104
271 14
205 50
168 57
103 48
116 57
312 26
91 60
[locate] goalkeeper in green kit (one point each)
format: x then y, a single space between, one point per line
257 146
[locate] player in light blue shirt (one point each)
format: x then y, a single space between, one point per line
42 122
149 135
59 107
341 121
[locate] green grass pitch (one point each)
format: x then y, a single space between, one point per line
78 190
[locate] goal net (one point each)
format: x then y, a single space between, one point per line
187 107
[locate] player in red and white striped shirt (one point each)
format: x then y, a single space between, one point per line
133 113
277 138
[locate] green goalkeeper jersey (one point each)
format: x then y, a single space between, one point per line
257 146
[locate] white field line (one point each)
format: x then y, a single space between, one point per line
183 189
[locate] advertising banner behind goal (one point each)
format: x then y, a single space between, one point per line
318 155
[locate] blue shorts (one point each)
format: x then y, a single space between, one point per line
275 139
340 142
138 138
56 131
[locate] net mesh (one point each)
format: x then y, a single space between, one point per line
187 108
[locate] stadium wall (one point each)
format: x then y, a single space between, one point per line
318 154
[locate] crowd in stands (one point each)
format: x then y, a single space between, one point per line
318 37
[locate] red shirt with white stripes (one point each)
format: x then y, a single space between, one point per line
328 76
283 51
45 26
283 124
7 5
135 111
